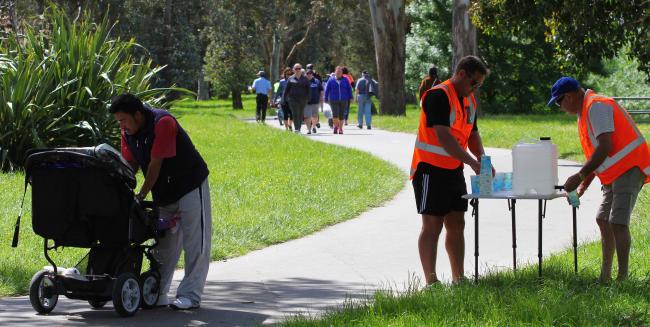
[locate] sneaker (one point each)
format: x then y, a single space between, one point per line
297 131
313 130
308 132
360 127
290 128
369 127
183 303
336 130
341 131
318 125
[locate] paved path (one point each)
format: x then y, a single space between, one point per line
345 261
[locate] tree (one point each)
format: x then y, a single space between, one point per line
388 25
463 33
428 41
232 54
580 34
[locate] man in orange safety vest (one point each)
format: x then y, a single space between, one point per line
616 153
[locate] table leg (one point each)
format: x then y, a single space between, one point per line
474 203
539 239
514 234
575 242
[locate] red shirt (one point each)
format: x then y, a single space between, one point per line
164 144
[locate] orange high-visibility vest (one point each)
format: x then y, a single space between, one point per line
630 148
461 120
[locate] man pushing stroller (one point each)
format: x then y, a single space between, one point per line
176 175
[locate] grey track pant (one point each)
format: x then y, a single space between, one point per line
193 235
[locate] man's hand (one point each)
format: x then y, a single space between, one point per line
582 188
572 182
476 167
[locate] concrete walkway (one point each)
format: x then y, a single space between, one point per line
346 261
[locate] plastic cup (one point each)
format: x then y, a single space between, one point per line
507 181
474 182
498 182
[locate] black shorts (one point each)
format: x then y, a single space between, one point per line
439 191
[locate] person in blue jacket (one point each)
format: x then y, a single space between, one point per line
338 94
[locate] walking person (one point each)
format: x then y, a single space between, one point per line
363 95
176 175
446 130
297 94
318 77
616 153
346 113
429 81
262 87
338 94
279 99
314 103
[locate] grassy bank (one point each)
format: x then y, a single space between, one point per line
267 186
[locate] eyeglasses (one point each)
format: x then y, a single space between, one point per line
297 68
558 101
475 84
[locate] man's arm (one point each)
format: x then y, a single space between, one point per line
152 176
476 144
452 147
597 158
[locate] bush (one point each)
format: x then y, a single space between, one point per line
56 83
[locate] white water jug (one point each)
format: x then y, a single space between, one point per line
534 167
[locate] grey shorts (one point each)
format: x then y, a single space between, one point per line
338 108
311 110
619 197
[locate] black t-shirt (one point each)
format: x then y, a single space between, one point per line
437 112
437 109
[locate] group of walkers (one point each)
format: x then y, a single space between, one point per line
301 95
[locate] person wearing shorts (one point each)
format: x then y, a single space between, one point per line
338 94
446 130
616 153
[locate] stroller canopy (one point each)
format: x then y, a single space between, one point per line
102 156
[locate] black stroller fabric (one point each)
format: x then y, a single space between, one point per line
83 197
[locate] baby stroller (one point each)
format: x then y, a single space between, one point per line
83 197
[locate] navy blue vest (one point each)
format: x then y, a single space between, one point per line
178 175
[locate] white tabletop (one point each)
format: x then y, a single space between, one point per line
510 195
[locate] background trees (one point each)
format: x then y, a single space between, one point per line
527 44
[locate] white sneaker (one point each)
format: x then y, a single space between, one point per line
183 303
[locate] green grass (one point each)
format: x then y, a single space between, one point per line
267 186
503 131
501 298
561 298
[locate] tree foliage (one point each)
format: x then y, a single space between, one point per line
581 34
56 83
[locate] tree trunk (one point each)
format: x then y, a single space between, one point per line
13 17
236 100
165 55
203 87
463 32
388 26
275 56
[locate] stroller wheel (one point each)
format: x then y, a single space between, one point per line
96 304
150 285
42 292
126 295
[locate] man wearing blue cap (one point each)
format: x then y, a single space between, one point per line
616 153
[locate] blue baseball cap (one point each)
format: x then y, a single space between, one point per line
561 86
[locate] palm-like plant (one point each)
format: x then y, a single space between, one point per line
56 84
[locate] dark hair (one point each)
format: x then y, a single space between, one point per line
433 71
472 64
345 70
287 71
126 103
